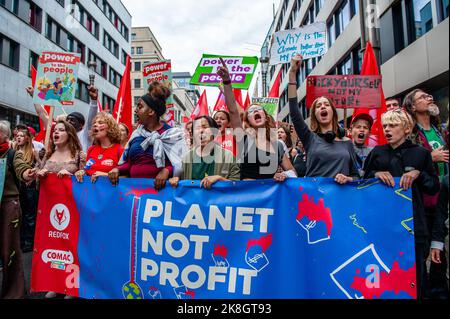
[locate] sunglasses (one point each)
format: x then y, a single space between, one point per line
254 109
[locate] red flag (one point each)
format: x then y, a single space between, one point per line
123 111
275 90
201 108
185 119
220 104
99 106
41 135
370 67
238 97
247 102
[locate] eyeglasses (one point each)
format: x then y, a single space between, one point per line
425 97
254 109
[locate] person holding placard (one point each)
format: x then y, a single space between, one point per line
329 154
261 153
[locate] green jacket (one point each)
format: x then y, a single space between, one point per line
224 164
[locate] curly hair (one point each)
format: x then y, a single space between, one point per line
73 141
113 132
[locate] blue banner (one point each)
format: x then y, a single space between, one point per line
305 238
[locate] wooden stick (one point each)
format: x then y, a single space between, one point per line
49 128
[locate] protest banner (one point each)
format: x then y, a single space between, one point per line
162 73
2 176
270 104
304 238
56 80
346 91
310 41
241 70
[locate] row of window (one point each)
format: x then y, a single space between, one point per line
86 19
82 94
110 44
137 50
408 20
113 17
26 10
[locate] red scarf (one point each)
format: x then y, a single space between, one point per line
4 147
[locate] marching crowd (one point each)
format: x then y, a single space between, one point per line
235 145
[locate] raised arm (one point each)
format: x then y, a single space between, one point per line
230 100
40 110
300 125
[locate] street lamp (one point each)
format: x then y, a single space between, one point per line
264 68
92 66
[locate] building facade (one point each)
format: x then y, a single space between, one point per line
186 94
414 45
97 29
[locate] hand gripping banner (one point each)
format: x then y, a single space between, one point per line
305 238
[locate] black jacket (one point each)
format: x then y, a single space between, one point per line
439 229
405 158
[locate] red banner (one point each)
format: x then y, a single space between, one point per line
346 91
55 257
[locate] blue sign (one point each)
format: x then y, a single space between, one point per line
305 238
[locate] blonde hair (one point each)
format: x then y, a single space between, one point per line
27 148
396 117
113 128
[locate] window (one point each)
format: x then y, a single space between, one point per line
342 18
108 103
443 9
113 17
110 44
61 2
9 52
419 18
139 50
132 50
102 67
137 83
137 66
33 62
124 57
331 32
86 20
114 77
319 5
133 36
136 100
35 19
82 92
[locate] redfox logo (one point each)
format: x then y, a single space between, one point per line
60 217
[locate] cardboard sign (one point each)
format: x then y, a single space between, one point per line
162 73
270 104
346 91
56 80
309 41
241 70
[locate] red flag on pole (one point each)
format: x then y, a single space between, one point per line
123 107
201 108
99 106
370 67
247 102
275 90
238 97
220 104
41 135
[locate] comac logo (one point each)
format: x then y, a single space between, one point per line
60 217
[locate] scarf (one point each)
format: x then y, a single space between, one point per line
171 143
4 147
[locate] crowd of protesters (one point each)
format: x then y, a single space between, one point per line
233 145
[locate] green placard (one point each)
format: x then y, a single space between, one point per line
270 104
2 176
241 70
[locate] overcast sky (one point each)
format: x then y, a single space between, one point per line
187 29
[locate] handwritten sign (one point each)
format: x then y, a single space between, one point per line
241 70
56 80
346 91
270 104
309 41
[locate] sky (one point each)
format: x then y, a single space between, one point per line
187 29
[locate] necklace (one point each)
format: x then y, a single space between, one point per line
100 156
